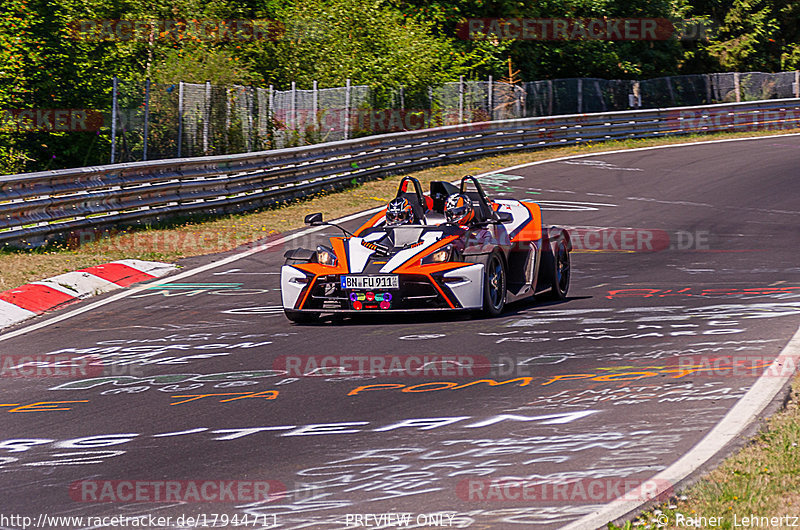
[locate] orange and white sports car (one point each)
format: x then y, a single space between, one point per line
455 250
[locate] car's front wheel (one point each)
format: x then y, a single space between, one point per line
494 285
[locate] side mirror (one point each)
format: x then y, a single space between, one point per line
313 219
503 217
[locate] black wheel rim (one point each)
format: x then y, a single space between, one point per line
562 269
496 282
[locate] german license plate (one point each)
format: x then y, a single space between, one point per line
386 281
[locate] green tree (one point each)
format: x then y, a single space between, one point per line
20 69
369 42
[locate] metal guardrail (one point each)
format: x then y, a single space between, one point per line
38 206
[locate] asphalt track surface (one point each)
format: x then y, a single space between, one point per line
609 387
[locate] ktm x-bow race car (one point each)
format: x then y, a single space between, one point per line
454 250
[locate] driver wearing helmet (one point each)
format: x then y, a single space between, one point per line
458 209
399 212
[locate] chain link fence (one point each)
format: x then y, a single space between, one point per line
154 121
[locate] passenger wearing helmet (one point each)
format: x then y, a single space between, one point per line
458 209
399 212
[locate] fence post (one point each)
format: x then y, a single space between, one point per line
430 106
549 97
797 83
250 94
270 104
146 117
207 117
580 95
600 95
180 117
271 116
315 106
293 107
737 87
490 97
402 99
461 99
636 95
113 118
671 92
347 109
708 89
227 118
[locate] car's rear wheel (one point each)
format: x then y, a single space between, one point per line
559 272
494 285
301 317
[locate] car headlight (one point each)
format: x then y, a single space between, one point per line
438 256
325 256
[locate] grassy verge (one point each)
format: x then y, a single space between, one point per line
198 236
762 480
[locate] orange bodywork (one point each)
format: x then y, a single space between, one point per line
371 222
532 230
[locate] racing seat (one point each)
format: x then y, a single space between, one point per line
480 203
418 202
